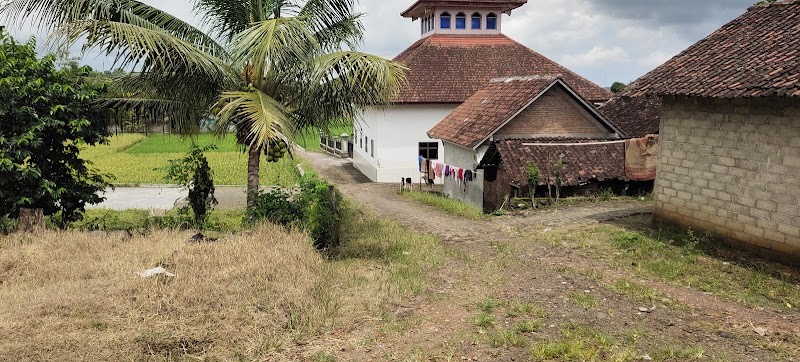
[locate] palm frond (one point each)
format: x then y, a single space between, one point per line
260 116
283 41
53 14
334 22
146 48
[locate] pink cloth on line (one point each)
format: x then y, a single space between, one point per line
438 170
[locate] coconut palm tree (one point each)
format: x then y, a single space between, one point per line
272 68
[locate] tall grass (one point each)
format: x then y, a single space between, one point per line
448 205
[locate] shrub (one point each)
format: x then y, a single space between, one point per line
276 206
193 173
606 193
322 211
317 208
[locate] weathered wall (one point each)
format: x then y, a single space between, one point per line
464 158
732 167
555 113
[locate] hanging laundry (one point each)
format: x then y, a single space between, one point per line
468 175
438 170
420 159
446 170
460 174
424 163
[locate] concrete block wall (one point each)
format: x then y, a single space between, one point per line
732 167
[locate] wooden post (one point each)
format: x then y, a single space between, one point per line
30 220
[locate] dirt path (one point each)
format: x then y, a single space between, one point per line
494 259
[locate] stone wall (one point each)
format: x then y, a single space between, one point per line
732 167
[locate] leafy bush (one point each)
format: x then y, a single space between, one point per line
45 115
322 211
193 173
278 207
317 208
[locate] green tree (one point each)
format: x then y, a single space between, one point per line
617 87
533 181
271 68
46 114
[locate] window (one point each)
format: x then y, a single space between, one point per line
477 19
372 149
461 21
423 25
444 20
429 150
491 21
366 144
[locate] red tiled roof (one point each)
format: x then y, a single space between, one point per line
755 55
581 163
450 68
504 4
635 117
491 107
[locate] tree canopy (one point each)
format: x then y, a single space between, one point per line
45 115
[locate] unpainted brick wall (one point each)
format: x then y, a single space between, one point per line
554 113
732 167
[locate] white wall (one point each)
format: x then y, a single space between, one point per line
464 158
397 132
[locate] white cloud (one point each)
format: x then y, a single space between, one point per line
597 56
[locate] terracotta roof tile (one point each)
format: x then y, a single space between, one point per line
635 117
450 68
755 55
581 163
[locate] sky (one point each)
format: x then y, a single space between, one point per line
602 40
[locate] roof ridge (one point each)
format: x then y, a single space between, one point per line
764 4
526 78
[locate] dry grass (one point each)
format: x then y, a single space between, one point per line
256 295
75 296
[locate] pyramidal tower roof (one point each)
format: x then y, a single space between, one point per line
462 47
424 7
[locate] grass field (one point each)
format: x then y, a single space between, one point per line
75 296
136 159
448 205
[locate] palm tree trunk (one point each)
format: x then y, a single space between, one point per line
253 168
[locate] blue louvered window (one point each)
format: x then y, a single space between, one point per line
461 21
477 19
491 21
444 20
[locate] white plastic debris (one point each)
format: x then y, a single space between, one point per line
155 272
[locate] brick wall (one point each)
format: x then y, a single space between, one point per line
554 113
733 167
494 193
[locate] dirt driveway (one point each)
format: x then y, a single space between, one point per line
494 266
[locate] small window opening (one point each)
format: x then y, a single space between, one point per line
477 19
491 21
445 20
429 150
461 21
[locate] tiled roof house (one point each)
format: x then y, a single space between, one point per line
730 132
514 122
460 50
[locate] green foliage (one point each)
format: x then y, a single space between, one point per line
128 220
532 179
193 173
317 208
618 87
323 211
606 193
278 207
45 115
